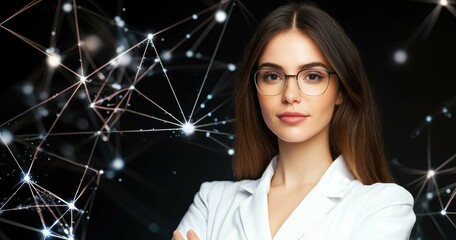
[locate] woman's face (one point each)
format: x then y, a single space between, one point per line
291 115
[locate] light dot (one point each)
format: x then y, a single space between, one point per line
125 60
220 16
448 191
430 173
118 163
187 36
119 21
71 206
188 128
150 36
53 59
428 119
231 67
45 232
6 136
189 53
202 105
153 227
67 7
194 16
429 195
443 2
230 151
209 96
443 212
27 88
132 87
166 55
400 56
83 79
26 178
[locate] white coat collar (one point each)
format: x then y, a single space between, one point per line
322 198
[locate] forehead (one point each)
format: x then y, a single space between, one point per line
291 49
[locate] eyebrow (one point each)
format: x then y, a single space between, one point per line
307 65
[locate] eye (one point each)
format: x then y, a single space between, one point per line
312 75
269 76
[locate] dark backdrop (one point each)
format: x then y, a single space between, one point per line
52 135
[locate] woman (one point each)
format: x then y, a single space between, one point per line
304 101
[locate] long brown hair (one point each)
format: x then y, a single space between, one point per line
355 130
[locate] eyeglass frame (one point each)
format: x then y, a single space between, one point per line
254 73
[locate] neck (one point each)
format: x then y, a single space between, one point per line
302 163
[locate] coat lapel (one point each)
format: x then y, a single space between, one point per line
318 203
325 195
254 216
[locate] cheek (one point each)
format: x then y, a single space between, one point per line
265 107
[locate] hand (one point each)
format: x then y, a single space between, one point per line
191 235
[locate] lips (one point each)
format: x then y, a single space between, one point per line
292 117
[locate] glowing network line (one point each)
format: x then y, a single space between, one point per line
108 102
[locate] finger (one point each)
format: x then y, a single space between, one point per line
177 235
191 235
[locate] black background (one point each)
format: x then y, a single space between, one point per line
163 170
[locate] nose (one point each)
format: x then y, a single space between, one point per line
291 92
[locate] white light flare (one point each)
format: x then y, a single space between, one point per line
188 128
220 16
118 163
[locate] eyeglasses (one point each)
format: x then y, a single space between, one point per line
311 82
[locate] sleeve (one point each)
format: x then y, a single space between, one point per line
389 216
196 217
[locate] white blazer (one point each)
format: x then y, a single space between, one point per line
337 208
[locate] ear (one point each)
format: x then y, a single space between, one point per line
340 98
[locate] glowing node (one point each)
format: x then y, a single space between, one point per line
428 119
46 232
400 56
71 206
27 88
209 96
448 190
187 36
92 105
220 16
119 21
430 173
443 212
202 105
7 137
230 151
132 87
70 238
231 67
443 2
26 178
118 163
83 79
153 227
188 128
54 60
93 43
195 16
429 195
124 60
150 36
166 55
67 7
101 172
189 53
208 134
